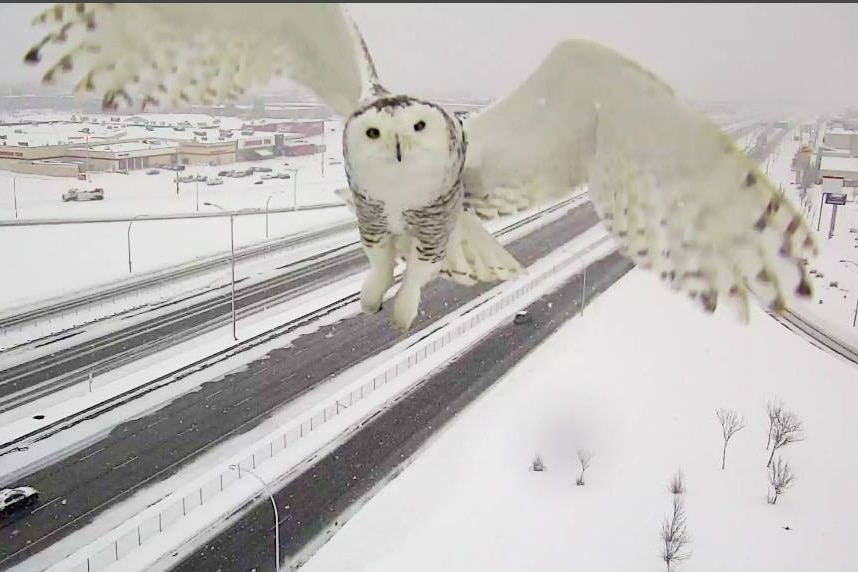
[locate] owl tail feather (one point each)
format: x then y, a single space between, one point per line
474 255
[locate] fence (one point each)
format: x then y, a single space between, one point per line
158 519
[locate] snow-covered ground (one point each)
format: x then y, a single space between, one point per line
637 380
37 262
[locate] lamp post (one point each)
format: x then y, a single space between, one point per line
323 148
855 314
198 193
276 514
232 259
294 188
15 194
128 234
266 210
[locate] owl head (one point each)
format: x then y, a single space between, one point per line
398 136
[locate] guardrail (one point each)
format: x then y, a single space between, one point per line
164 514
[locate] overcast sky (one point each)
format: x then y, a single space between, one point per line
785 52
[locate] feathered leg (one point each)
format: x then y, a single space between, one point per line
417 274
378 281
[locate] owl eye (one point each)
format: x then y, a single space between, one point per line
373 133
420 125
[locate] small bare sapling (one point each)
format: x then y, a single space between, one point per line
731 423
786 428
674 536
537 464
781 478
677 483
584 457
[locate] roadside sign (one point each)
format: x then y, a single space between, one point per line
835 199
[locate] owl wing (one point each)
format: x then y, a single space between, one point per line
676 192
202 53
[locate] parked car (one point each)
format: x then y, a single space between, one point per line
240 174
187 178
75 194
214 181
268 176
13 499
224 173
284 176
201 178
152 172
258 182
262 169
122 171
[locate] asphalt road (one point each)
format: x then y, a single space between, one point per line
319 495
33 379
74 490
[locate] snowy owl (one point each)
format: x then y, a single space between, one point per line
676 193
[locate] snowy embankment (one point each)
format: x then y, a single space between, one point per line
637 380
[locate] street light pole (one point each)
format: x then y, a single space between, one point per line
276 514
855 314
266 211
232 261
130 222
15 194
198 195
323 148
294 188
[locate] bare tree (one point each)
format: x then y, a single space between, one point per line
773 409
731 423
781 478
677 483
537 464
584 457
674 536
786 429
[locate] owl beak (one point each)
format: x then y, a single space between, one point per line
398 150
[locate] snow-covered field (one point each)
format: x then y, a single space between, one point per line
37 262
637 380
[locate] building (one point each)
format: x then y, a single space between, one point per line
125 155
845 168
845 139
207 152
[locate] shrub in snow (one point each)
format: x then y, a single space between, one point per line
773 410
537 464
781 478
584 457
730 425
786 429
677 483
674 536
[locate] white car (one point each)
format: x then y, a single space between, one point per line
12 499
214 181
83 195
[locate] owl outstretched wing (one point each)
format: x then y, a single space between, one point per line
185 53
676 192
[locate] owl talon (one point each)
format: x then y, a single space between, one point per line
405 309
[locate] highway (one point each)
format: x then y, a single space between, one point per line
181 320
319 496
150 448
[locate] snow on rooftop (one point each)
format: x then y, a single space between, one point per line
832 163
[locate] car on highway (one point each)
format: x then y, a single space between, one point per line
214 181
75 194
14 499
